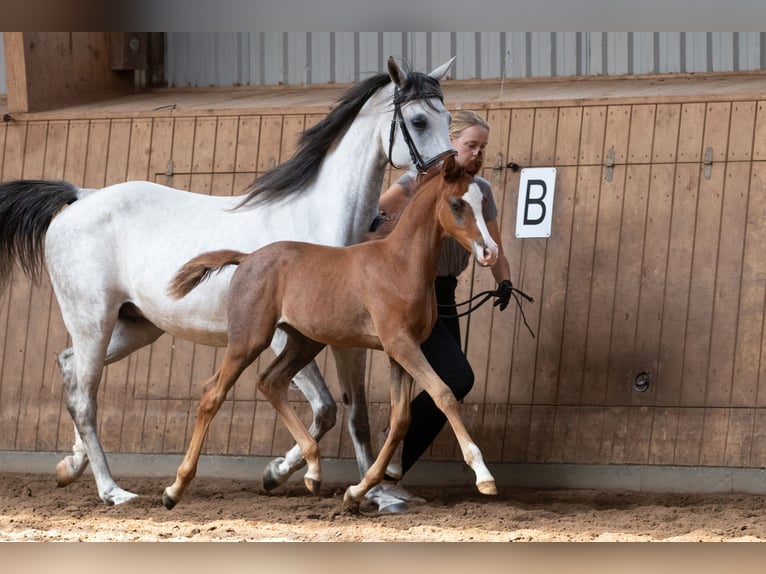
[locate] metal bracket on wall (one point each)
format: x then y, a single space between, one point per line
707 163
169 172
609 164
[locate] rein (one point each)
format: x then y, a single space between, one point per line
487 295
398 119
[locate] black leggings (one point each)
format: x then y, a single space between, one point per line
444 354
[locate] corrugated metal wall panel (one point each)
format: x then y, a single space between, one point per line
262 58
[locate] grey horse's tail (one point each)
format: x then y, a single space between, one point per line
196 270
27 207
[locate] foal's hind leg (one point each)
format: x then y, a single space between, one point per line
273 383
235 360
401 395
309 380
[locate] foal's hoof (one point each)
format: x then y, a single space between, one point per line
487 488
312 485
271 476
66 474
167 501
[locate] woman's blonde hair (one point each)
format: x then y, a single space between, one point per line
463 119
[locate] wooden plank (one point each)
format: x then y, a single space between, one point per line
537 363
758 444
263 428
241 428
666 130
565 434
489 435
704 261
182 153
516 438
723 336
178 413
55 150
270 143
614 435
18 294
589 433
160 150
500 334
639 434
690 133
97 154
741 131
117 155
739 438
625 311
689 436
226 145
655 239
579 282
713 448
141 142
77 152
592 136
540 440
292 128
544 137
32 344
520 137
248 140
52 389
759 133
677 280
663 438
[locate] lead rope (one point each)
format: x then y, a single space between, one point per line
487 296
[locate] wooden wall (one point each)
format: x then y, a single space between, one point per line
658 269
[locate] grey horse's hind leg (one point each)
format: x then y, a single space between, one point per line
127 336
311 383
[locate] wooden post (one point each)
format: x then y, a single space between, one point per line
49 70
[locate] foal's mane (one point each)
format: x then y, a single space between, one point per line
295 174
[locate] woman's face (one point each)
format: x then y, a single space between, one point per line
470 143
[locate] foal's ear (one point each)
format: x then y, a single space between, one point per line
473 167
441 71
451 169
395 72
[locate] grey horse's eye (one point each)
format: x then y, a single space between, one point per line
419 122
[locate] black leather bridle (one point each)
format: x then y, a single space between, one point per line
420 164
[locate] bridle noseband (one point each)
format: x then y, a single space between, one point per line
420 164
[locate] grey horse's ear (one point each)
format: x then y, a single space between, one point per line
441 71
396 73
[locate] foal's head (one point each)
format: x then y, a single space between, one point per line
460 209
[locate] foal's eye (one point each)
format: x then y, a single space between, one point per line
419 122
457 205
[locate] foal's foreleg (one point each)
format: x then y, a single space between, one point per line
401 396
416 364
213 394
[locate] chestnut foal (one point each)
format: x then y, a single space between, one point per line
376 295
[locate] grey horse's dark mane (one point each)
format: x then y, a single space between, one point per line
295 175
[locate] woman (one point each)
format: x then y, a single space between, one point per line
469 134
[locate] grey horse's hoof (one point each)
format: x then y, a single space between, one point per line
271 478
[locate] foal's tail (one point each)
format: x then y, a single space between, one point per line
27 208
196 270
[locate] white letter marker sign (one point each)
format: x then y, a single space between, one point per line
535 211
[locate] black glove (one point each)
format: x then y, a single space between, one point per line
503 294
